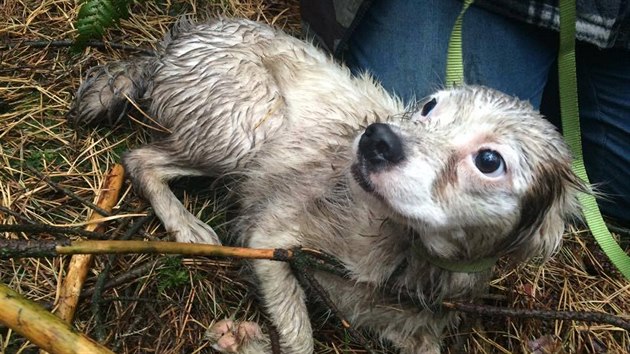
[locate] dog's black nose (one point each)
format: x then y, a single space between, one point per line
380 146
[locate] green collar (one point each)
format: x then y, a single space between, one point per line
469 266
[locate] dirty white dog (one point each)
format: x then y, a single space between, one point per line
418 201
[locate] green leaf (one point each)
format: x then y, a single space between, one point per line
95 16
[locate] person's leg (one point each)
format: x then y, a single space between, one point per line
604 99
404 44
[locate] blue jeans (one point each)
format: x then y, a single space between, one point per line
404 44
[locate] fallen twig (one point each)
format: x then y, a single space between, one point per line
18 216
29 248
127 277
41 327
21 248
51 229
305 276
99 286
69 43
486 310
79 264
68 192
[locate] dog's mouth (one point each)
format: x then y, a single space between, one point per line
361 175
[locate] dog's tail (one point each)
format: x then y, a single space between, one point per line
108 91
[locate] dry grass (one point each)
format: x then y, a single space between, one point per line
162 305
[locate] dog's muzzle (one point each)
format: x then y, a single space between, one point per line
380 147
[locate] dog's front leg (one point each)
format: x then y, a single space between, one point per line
282 296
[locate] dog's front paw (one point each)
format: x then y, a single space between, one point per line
227 336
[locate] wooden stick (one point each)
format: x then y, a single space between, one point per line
79 264
586 316
42 248
23 248
43 328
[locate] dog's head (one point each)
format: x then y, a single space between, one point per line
474 172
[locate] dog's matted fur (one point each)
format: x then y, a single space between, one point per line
401 196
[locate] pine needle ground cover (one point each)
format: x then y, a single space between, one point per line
163 304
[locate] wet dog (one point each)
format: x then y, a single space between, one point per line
419 200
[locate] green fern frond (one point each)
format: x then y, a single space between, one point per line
95 16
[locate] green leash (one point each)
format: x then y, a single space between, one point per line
570 120
454 56
571 130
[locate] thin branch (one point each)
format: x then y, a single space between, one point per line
69 43
22 248
99 286
274 339
18 216
50 229
68 192
128 276
46 248
585 316
305 275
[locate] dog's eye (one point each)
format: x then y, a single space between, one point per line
428 107
490 163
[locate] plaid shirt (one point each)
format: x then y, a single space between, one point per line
604 23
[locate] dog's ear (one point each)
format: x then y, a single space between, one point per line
550 202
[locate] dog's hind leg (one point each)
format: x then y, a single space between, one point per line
150 168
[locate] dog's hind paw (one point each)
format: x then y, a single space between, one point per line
105 95
227 336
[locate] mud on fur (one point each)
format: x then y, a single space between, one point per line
401 195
